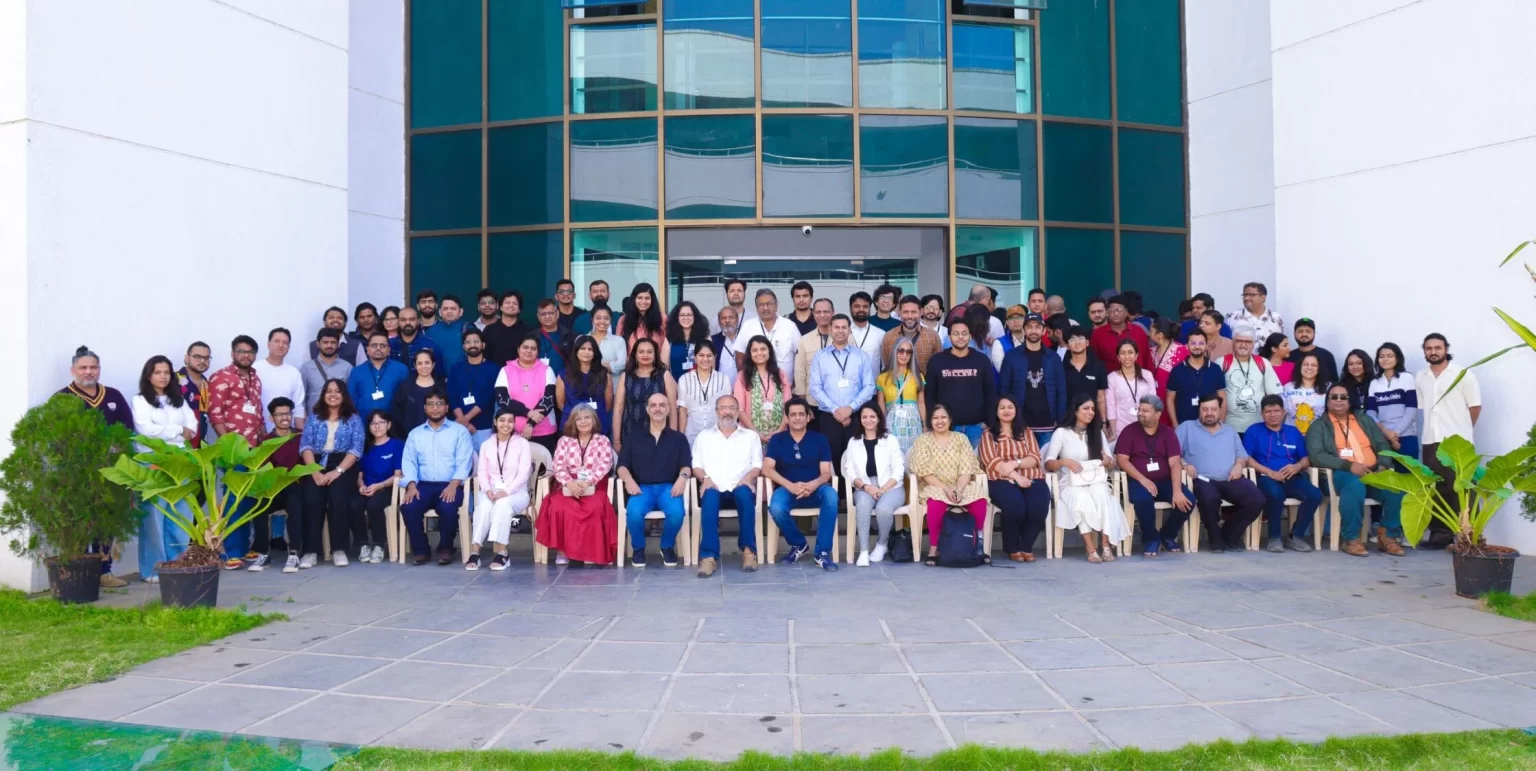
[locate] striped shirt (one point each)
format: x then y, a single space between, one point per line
997 451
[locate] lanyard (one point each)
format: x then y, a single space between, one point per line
1130 385
867 329
1147 440
1344 426
1247 374
842 365
378 374
501 457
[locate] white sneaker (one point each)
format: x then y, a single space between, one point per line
259 564
292 565
561 559
878 555
339 559
378 554
152 580
863 560
309 560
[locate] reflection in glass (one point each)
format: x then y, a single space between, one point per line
808 165
445 63
993 68
526 184
1149 85
613 68
524 64
807 53
613 170
995 169
621 256
1074 47
1079 264
529 262
709 53
711 168
1001 258
903 166
1153 264
901 54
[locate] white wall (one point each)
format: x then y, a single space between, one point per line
376 154
1405 138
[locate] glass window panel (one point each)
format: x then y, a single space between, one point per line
613 170
1074 59
993 68
904 166
1154 264
1149 84
901 54
1079 264
1151 178
445 180
711 167
527 179
1037 4
995 169
807 53
621 256
447 264
525 59
529 262
808 165
445 63
1078 168
1001 258
613 68
709 54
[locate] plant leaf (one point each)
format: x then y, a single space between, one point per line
1517 250
1461 458
1416 513
1397 481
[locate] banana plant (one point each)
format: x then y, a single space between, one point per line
1527 337
1481 488
214 481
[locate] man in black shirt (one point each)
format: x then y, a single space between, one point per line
802 294
503 337
565 297
1084 372
1033 377
964 381
654 468
1306 337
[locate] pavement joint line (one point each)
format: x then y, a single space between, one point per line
666 694
922 690
797 742
549 686
1062 700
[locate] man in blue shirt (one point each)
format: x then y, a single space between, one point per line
435 463
1195 376
654 468
842 379
1199 304
799 463
554 340
1035 378
1278 452
1213 453
472 388
443 325
372 384
403 348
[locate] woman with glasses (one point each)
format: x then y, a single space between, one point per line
899 393
687 332
375 488
577 519
389 319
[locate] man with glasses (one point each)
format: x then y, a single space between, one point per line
326 364
1249 380
1106 340
434 467
235 406
554 340
485 306
372 384
194 386
781 334
565 297
925 341
1262 320
810 344
1350 444
280 412
886 298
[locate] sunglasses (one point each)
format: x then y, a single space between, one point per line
1338 397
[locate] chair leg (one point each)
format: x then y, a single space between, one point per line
325 542
391 539
1333 524
621 553
771 547
465 534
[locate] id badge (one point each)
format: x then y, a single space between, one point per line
584 475
1153 465
249 409
842 383
469 401
1347 452
377 395
501 485
1194 401
544 359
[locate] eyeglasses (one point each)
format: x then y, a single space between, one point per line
1251 294
196 357
1338 397
378 345
244 352
564 293
277 415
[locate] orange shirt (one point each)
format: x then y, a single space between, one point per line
1349 434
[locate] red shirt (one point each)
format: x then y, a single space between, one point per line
234 404
1104 341
1142 450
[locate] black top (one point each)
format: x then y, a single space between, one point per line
967 386
409 405
806 326
1328 369
567 321
1091 378
652 460
501 340
869 459
1036 408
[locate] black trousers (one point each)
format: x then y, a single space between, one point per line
1023 511
368 518
1247 504
331 505
1446 487
838 435
290 500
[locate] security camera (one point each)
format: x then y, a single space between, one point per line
806 230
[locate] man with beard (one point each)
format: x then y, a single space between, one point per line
811 344
502 337
1013 335
565 298
1213 447
1084 372
1198 305
447 332
1193 377
736 299
803 316
85 385
410 340
1149 454
1106 340
964 381
933 317
886 297
235 406
554 340
864 334
724 341
1350 444
435 468
372 384
472 388
597 294
367 319
1448 412
925 342
1305 333
325 365
1098 313
842 379
347 347
194 386
1035 300
485 305
1249 380
727 460
1033 377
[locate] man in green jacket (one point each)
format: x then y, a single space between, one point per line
1350 444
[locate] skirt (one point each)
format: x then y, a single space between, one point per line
1091 508
905 424
585 528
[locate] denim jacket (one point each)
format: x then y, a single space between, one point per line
349 438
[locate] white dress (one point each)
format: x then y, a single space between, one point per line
1089 508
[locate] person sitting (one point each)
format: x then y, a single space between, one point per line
948 475
506 460
1350 444
1015 480
576 519
1215 446
1149 454
333 438
1079 453
381 470
654 465
435 464
1278 453
873 466
800 463
727 460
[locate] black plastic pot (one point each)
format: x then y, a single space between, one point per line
1479 574
75 581
184 587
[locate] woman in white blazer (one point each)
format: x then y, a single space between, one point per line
873 465
160 411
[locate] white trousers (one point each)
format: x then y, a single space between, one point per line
493 519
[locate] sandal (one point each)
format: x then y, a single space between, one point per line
1149 549
1109 554
931 560
1173 547
1094 558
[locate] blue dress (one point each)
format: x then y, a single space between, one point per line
578 390
681 360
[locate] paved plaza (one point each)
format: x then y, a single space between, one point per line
1052 655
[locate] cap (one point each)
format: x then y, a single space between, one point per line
1017 311
1305 322
1035 317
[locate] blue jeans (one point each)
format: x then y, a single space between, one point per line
160 540
1275 493
1146 514
972 432
429 497
824 498
709 520
654 498
1352 496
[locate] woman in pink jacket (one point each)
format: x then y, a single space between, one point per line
1127 384
501 490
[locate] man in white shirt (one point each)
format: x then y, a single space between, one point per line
781 332
727 461
933 318
1254 315
862 334
1448 412
279 379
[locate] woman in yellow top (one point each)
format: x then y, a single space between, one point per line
948 475
899 391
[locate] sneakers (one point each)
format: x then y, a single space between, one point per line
473 563
669 558
233 563
339 558
639 559
259 564
308 561
250 555
1214 543
1276 546
1297 544
706 567
748 561
878 555
561 559
795 553
863 560
824 561
378 554
109 581
292 565
499 562
152 580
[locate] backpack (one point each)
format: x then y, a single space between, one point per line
959 543
1226 363
900 544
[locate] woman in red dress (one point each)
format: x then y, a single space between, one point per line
577 518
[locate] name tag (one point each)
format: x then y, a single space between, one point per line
469 401
1289 446
1194 401
544 359
1090 377
1153 465
249 409
377 395
501 485
1347 452
842 382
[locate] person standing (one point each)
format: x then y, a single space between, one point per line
1215 447
160 411
447 331
697 393
1036 382
280 379
1127 384
762 390
1277 451
1218 343
1166 353
1149 454
842 379
366 318
192 378
799 463
1013 335
1255 314
727 460
435 465
736 299
327 363
727 326
85 385
472 388
1304 395
1098 313
586 381
1305 333
687 332
570 313
504 466
597 294
409 407
1277 351
503 337
886 301
643 318
373 383
235 406
863 334
485 306
933 319
410 341
811 344
347 347
925 341
781 335
1349 443
334 441
803 317
899 393
645 377
1199 305
1393 401
1106 339
1249 379
1084 372
1010 456
554 340
1191 378
961 379
611 346
654 466
1449 410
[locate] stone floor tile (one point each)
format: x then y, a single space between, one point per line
1391 668
1309 720
1086 689
1105 624
438 619
424 680
604 690
932 630
737 658
664 629
341 719
1494 700
1234 646
310 671
718 737
1304 609
1010 628
286 636
1043 655
352 614
811 631
516 687
1229 681
744 630
959 657
480 649
848 659
916 735
1482 656
1040 731
453 727
604 656
605 731
1166 649
1222 617
380 643
556 656
1297 640
220 708
109 700
867 694
1165 728
743 694
1469 621
987 692
1387 630
1412 714
1317 678
1525 641
530 625
207 664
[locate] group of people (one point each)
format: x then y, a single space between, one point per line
978 402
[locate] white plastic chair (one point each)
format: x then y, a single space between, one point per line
684 535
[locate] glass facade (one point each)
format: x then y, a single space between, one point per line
552 138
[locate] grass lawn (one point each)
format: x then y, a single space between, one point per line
1475 749
1523 608
47 647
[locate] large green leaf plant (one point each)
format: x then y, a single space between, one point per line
1481 488
215 482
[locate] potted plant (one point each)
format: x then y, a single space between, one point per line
1481 488
225 484
54 503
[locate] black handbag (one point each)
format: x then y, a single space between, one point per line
899 545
